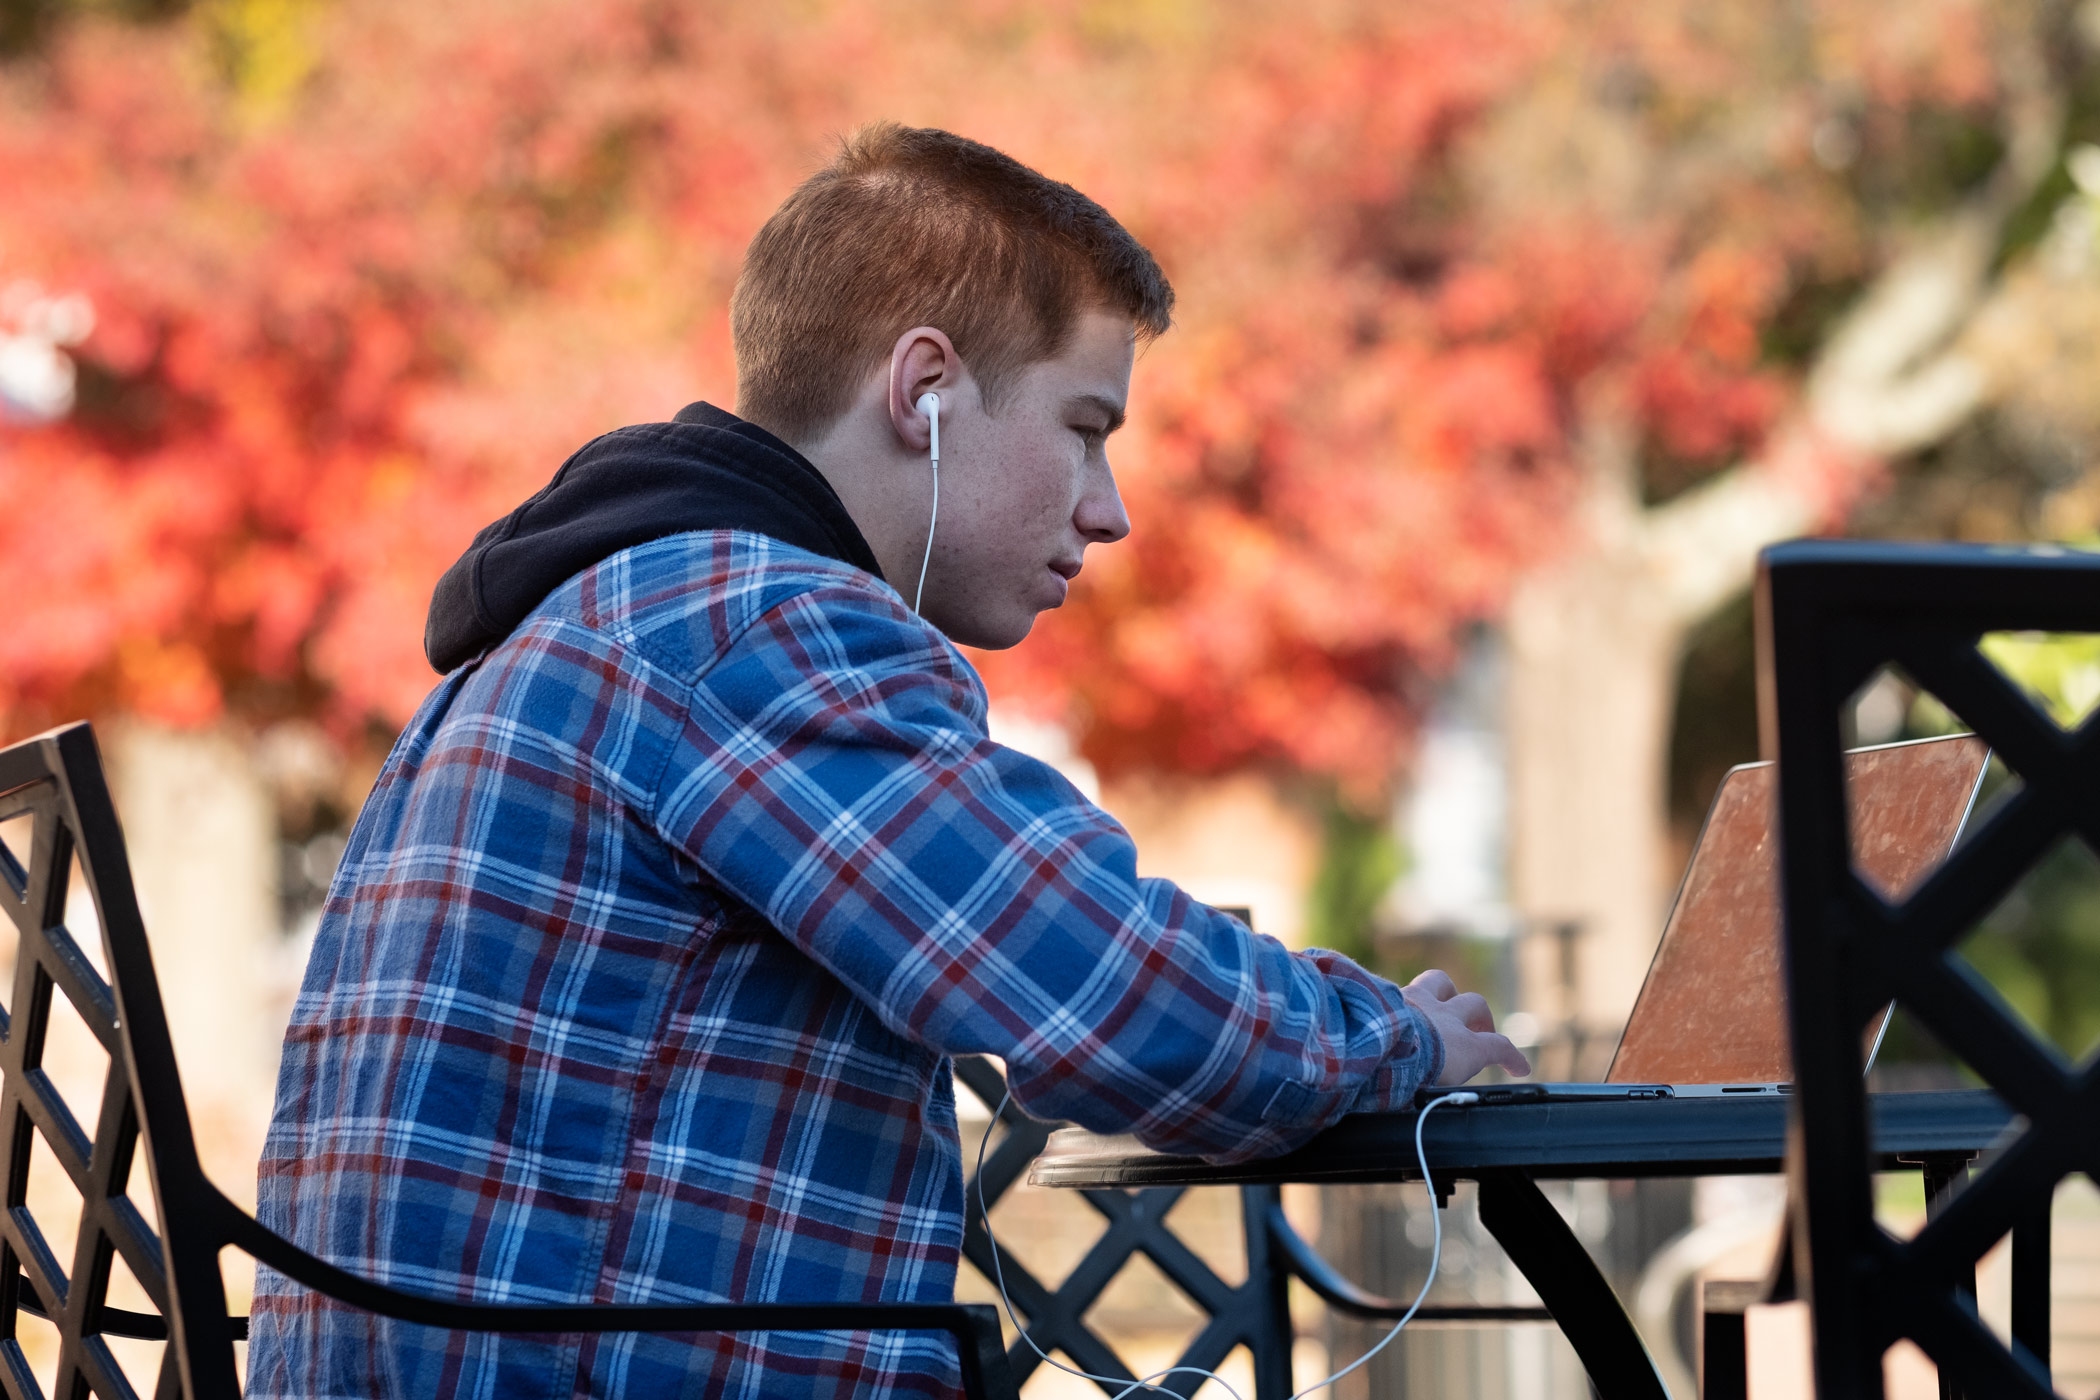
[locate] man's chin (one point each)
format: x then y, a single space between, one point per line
988 634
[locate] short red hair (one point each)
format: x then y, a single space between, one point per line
911 226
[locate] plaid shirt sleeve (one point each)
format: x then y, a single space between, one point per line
835 773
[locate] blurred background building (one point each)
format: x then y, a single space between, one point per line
1508 333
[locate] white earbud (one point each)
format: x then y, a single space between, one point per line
930 405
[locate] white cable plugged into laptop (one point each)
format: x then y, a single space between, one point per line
1436 1254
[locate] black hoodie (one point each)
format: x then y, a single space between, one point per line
703 470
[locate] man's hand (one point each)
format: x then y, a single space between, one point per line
1463 1020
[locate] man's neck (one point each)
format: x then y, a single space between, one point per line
886 490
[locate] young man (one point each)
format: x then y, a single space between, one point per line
642 972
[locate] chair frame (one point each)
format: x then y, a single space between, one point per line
58 778
1830 614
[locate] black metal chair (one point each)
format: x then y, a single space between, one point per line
1254 1313
1830 614
56 779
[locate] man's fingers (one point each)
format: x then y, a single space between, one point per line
1473 1043
1510 1057
1437 983
1472 1008
1468 1052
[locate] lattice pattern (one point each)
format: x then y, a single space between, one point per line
1830 616
1253 1313
96 1157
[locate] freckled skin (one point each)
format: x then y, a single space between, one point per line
1024 490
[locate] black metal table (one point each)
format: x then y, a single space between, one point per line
1508 1148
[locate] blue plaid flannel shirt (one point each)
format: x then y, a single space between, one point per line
640 976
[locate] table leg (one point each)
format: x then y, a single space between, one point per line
1942 1171
1547 1253
1724 1351
1270 1333
2030 1283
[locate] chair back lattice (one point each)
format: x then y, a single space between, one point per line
67 1280
1830 616
1254 1313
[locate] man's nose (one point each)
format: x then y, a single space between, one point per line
1100 516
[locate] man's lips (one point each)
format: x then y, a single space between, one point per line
1064 571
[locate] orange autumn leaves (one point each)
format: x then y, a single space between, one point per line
362 288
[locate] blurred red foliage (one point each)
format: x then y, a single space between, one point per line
362 286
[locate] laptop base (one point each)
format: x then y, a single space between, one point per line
1607 1093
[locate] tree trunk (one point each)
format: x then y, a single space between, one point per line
201 828
1595 636
1592 672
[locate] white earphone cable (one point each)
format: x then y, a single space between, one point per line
1436 1254
930 405
931 521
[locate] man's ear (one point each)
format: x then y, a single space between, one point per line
922 361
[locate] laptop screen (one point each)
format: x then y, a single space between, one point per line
1713 1008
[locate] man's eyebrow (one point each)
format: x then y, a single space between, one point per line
1108 406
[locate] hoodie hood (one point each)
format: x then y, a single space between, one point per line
703 470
